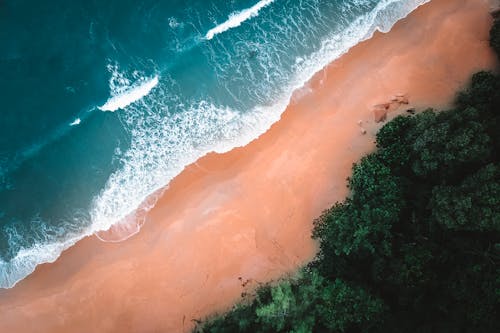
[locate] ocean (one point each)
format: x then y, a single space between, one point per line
104 102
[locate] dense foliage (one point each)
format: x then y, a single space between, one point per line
416 246
495 37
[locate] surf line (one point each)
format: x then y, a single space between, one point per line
236 18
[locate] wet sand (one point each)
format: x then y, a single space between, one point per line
246 215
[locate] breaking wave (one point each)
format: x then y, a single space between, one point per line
124 93
236 19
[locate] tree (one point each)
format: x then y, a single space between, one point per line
472 205
446 142
343 306
495 37
313 303
393 144
363 222
482 93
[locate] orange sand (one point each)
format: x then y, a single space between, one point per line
248 213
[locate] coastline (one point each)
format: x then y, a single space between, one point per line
131 190
248 213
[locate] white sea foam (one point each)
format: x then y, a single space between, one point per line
26 260
173 23
235 19
75 122
130 95
162 145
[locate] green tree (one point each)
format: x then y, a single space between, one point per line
343 306
393 144
482 93
313 303
447 141
472 205
364 221
495 37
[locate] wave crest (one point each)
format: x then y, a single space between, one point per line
123 93
236 19
130 96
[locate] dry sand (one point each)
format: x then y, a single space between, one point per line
248 213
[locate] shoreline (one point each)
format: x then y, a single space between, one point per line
261 119
248 213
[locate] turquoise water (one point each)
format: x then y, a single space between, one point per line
104 102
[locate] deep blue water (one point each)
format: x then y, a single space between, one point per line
103 102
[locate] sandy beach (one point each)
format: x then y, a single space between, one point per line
231 221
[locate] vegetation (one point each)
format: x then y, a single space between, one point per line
495 37
416 246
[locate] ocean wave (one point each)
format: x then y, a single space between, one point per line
164 142
26 260
124 93
55 241
236 19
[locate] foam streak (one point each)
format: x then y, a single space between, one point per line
235 19
129 96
